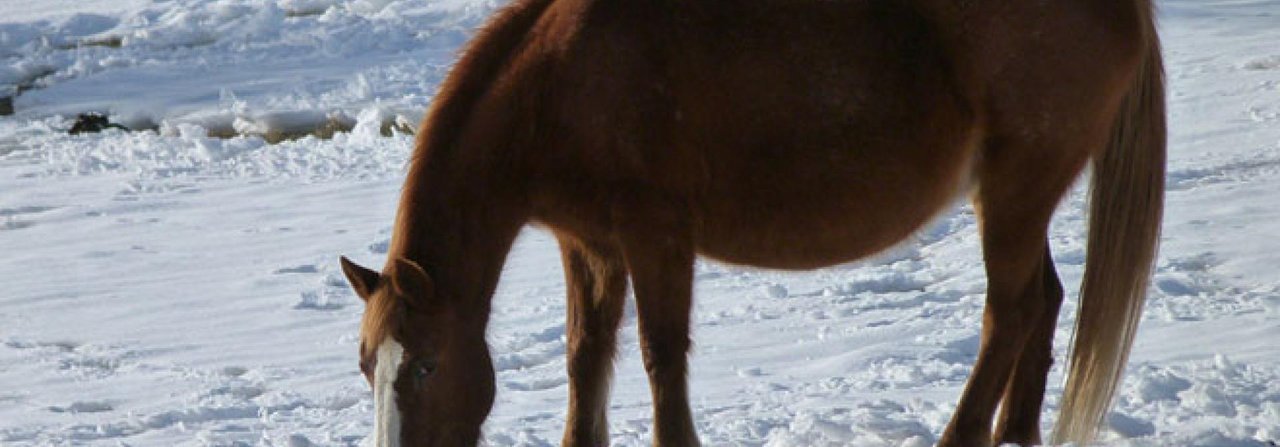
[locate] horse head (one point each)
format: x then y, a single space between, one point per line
432 385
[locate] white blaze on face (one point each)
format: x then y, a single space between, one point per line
386 419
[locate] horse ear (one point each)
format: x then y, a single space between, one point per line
411 282
363 280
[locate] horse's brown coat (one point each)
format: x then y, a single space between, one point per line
776 133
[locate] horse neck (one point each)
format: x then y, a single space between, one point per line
458 217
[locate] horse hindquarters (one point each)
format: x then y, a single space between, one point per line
1015 202
1043 122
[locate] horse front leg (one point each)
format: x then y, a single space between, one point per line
658 248
596 280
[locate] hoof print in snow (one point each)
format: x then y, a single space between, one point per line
238 391
1171 285
380 247
84 407
337 281
10 218
60 346
1266 63
92 123
11 224
90 366
776 291
297 440
317 301
305 268
1128 426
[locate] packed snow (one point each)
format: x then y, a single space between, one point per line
180 286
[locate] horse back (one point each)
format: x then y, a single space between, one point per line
794 134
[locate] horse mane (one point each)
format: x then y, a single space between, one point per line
478 66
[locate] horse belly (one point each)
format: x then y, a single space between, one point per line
821 141
803 225
798 179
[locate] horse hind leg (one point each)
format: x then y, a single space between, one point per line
597 285
1019 189
1019 420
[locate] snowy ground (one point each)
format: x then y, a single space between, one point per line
167 288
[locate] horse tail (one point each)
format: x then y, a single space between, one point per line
1126 205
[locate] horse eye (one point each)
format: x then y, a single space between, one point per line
424 369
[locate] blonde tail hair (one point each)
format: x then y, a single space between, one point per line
1126 205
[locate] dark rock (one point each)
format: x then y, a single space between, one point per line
93 122
6 106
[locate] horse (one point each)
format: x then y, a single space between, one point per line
783 134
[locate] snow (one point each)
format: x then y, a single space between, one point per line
173 288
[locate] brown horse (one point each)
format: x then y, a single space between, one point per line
788 134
